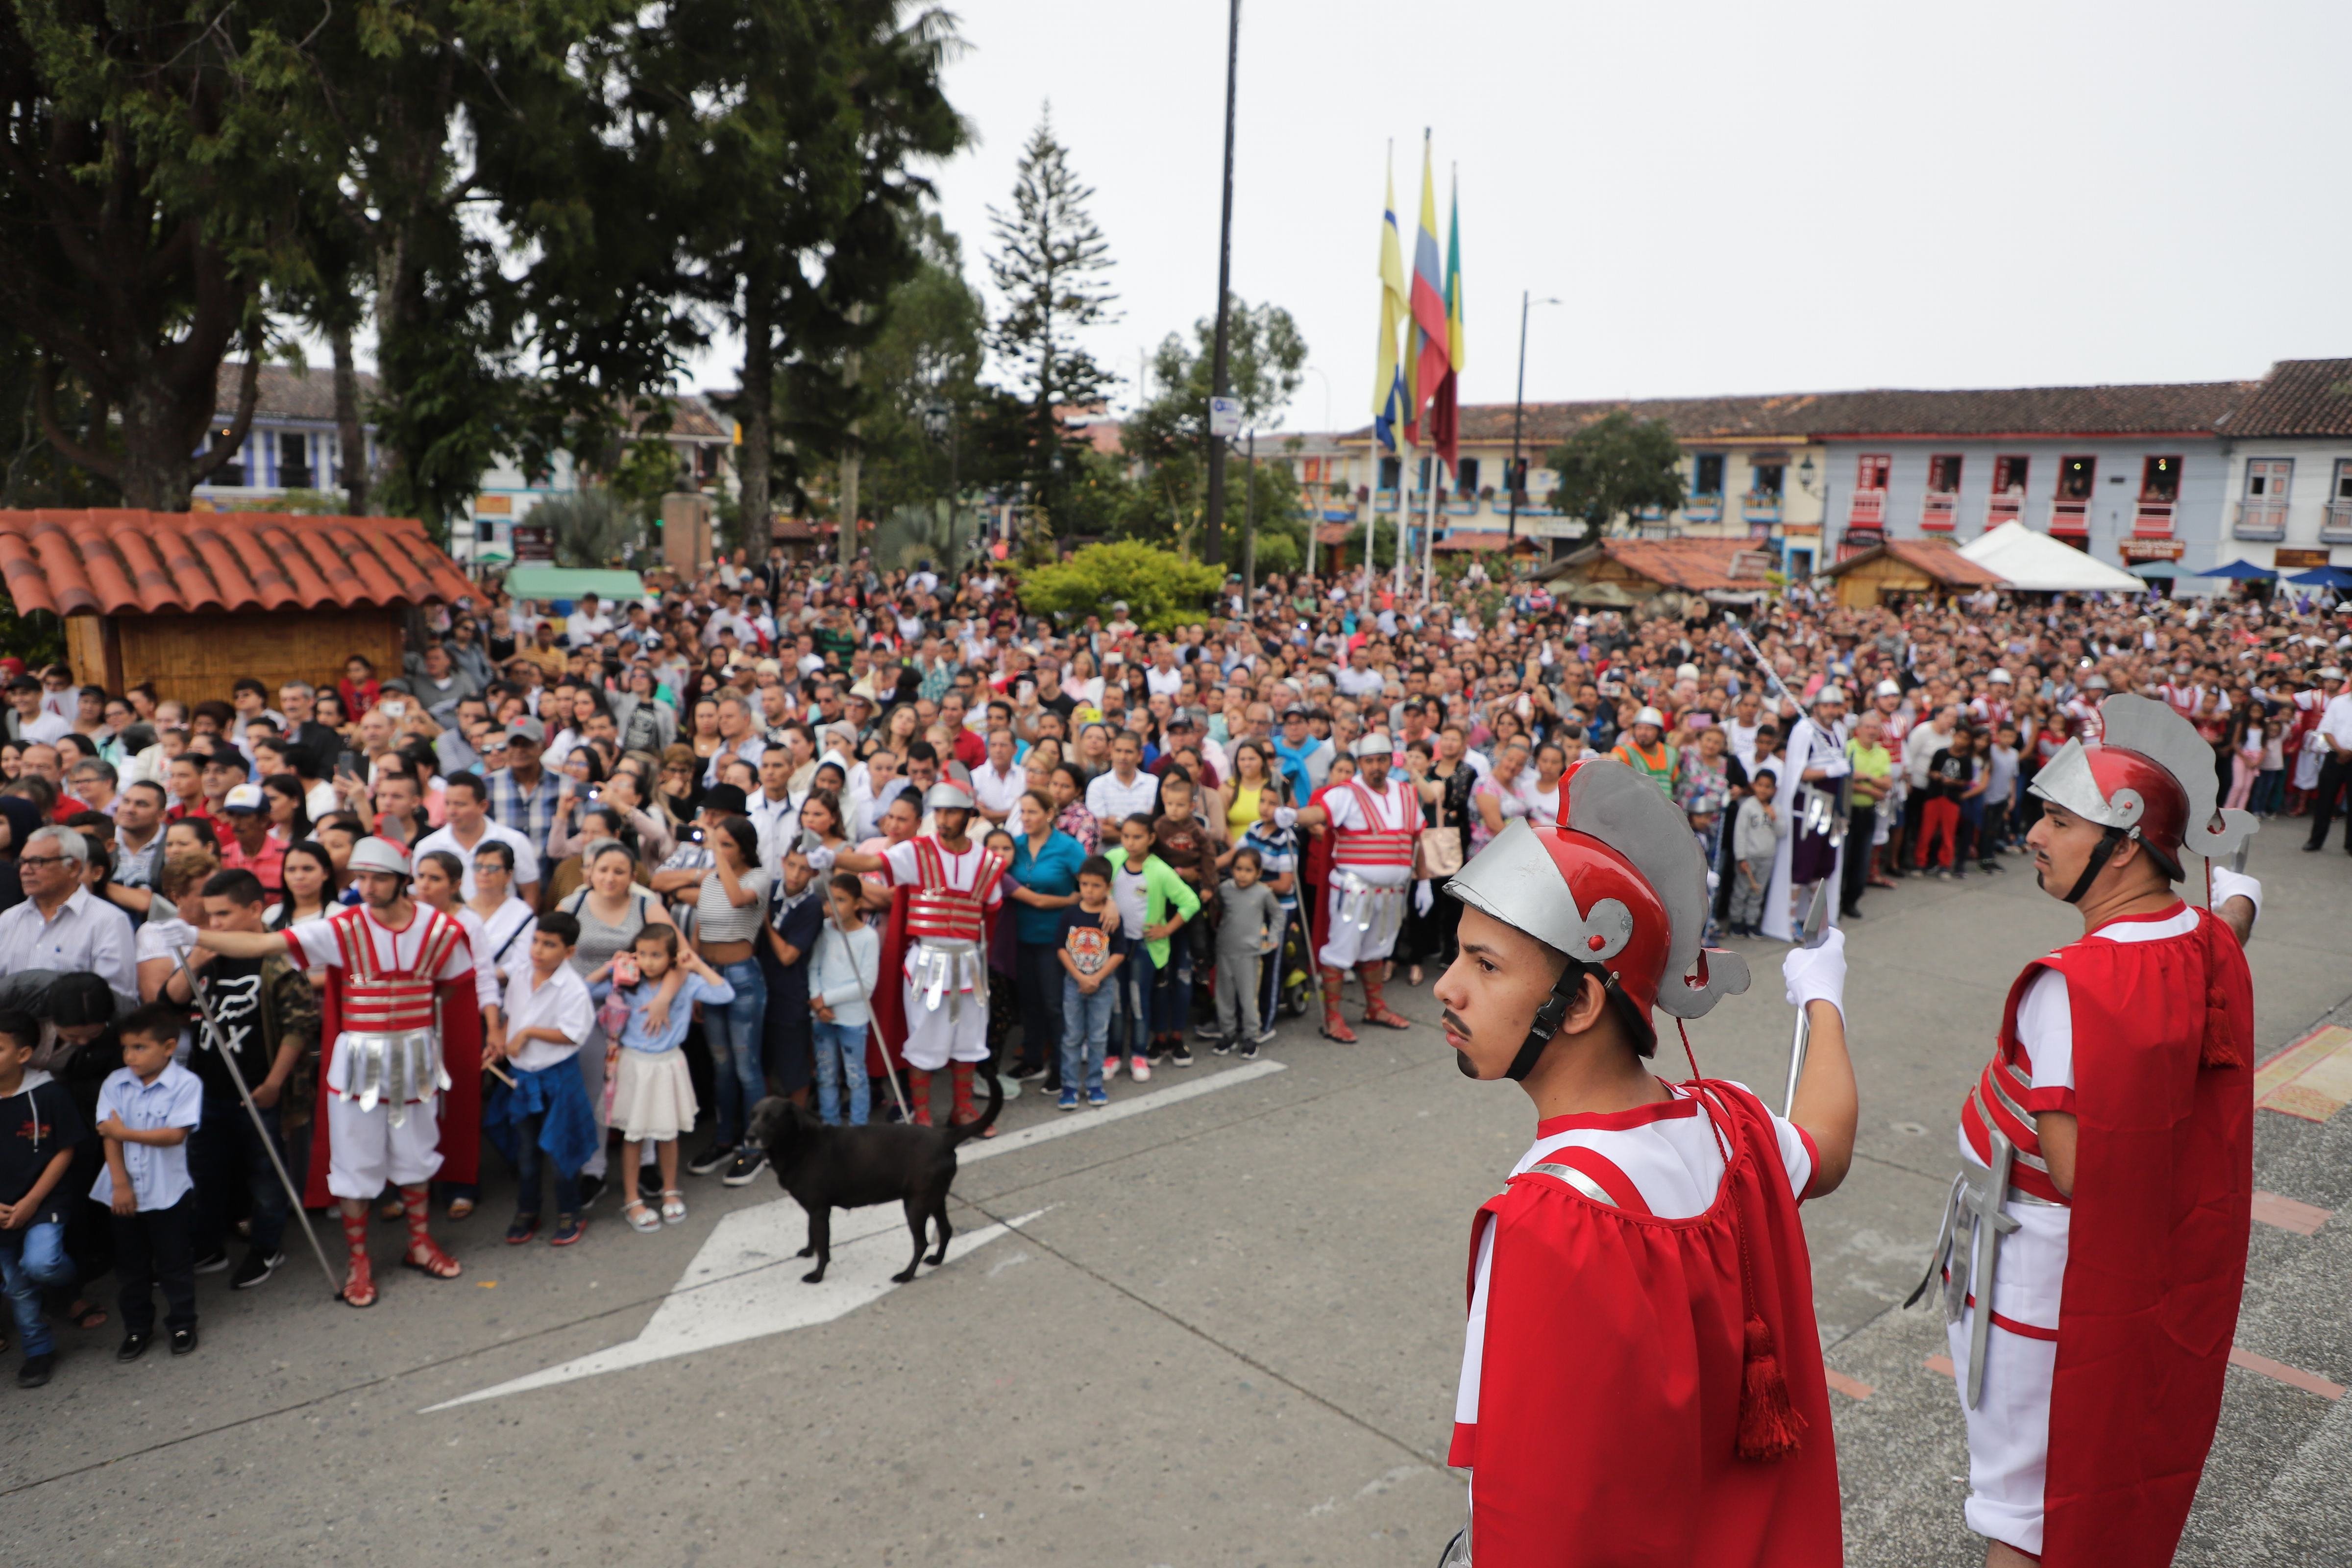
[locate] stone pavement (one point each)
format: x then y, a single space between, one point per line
1220 1324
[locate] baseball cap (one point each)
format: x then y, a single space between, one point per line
527 729
245 797
727 800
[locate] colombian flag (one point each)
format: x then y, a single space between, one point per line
1443 421
1428 361
1388 379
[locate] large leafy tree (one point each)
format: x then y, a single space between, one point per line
1169 436
1616 467
148 178
790 134
1048 268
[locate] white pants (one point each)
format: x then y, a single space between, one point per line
2008 1434
932 1040
1345 944
364 1150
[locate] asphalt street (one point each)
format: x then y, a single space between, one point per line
1218 1323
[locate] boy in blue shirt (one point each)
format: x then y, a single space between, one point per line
146 1109
1277 858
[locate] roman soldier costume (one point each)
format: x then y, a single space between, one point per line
1641 1376
1373 838
937 939
2090 1330
400 1098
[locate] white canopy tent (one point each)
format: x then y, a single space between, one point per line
2037 563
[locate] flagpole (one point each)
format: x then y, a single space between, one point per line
1429 531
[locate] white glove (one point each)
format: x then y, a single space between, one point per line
1422 898
1284 816
1817 973
2228 884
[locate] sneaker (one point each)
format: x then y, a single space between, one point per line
257 1266
36 1370
568 1228
134 1344
749 1163
1247 1051
1069 1101
183 1341
590 1189
1138 1069
1181 1056
1110 1069
718 1157
1264 1037
1206 1031
1097 1099
1223 1047
213 1264
1027 1072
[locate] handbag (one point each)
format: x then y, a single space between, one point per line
1437 852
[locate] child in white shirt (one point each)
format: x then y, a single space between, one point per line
541 1107
146 1109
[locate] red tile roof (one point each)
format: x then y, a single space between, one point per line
1694 566
1939 559
140 563
2300 397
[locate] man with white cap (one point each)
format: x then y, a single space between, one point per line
1644 749
1375 821
400 1100
945 890
1813 776
2094 1245
1641 1376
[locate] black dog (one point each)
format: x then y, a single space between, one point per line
827 1168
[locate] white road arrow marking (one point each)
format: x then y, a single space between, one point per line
744 1283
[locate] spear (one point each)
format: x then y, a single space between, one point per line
215 1042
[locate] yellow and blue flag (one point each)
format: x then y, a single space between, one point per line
1388 379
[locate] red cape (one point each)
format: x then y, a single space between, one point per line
461 1102
1610 1396
2157 1256
888 1034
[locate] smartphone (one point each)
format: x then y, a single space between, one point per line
595 790
694 836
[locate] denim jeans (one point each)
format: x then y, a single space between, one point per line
227 1151
841 1059
1086 1032
734 1032
529 1160
1133 980
33 1260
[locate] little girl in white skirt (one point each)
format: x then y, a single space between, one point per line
652 1094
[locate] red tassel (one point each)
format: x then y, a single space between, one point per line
2221 1048
1768 1422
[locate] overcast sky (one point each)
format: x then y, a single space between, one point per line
1725 197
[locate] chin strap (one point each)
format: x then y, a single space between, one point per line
1550 1017
2109 842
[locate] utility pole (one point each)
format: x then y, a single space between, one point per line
1249 524
852 364
1519 412
1220 373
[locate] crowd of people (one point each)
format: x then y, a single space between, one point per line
801 830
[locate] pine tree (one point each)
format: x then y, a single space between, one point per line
1048 267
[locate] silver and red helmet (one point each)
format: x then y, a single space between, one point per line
1617 883
373 853
947 795
2147 776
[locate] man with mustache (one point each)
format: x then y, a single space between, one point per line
1641 1377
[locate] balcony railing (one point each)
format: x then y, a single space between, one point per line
1384 500
2336 524
2070 517
2260 519
2006 507
1703 509
1866 510
2153 519
1936 510
1758 506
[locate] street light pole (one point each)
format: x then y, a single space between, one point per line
1220 370
1518 412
